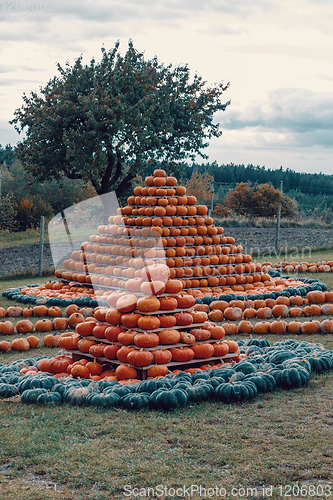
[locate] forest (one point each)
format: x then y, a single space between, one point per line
24 199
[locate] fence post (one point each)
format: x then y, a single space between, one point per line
41 246
278 221
211 198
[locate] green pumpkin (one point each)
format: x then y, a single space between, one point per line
182 376
59 388
135 401
293 378
76 395
30 396
258 342
166 383
104 399
200 392
263 381
303 362
216 381
123 390
203 375
320 363
149 386
225 373
253 350
245 367
103 385
236 391
49 398
280 355
13 378
183 386
33 382
7 390
167 400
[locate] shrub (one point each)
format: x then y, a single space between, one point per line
7 212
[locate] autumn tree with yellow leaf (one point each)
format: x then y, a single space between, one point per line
200 185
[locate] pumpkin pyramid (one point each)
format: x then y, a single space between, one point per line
147 267
161 223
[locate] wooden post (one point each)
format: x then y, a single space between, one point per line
41 246
211 198
278 222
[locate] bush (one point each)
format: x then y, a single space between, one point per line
7 212
29 211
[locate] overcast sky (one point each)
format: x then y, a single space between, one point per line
276 54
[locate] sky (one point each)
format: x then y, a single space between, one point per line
277 56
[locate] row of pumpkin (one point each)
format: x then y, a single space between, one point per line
321 266
286 365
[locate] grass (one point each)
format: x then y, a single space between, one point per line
20 238
74 453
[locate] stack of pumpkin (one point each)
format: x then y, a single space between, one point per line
150 332
162 222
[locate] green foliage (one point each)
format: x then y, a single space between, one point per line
313 193
46 198
7 211
7 155
105 121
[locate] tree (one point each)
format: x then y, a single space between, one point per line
200 185
260 200
7 155
105 121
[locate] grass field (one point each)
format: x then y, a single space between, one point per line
281 440
28 237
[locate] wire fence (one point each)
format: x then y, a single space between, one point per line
28 252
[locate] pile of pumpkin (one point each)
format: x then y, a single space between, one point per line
133 325
159 223
321 266
284 365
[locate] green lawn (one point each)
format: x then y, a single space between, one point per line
14 239
74 453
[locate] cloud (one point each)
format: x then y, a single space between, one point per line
301 115
40 22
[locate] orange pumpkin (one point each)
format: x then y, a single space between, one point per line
54 311
20 344
40 310
14 311
5 346
75 319
6 327
51 340
245 327
44 325
203 351
33 341
126 372
169 336
24 326
60 323
157 371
